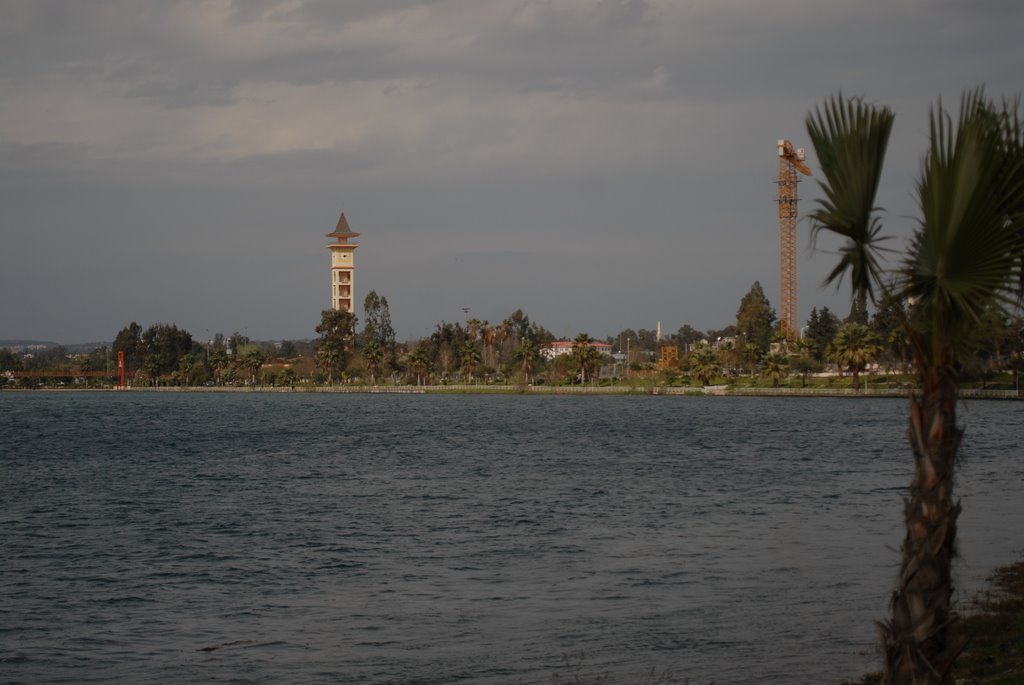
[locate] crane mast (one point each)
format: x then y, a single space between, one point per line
790 161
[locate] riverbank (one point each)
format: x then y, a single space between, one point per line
637 389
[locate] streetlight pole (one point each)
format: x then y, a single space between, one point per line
627 356
621 336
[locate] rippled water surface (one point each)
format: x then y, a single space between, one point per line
481 539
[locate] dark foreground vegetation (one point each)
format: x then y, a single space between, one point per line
995 651
994 631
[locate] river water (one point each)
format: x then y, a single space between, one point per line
478 539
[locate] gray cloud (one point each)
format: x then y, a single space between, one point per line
599 163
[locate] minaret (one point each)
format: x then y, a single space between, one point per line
343 267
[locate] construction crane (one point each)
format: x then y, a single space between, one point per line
790 161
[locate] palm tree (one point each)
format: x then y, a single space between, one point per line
373 355
487 337
776 367
472 326
219 360
528 354
850 138
803 365
752 353
503 333
585 355
727 352
854 347
328 357
251 360
805 347
704 364
897 348
804 362
151 367
419 363
186 367
470 359
965 259
781 339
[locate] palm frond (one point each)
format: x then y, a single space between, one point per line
1012 175
966 254
850 138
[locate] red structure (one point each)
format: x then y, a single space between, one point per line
790 161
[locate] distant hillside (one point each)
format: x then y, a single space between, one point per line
26 345
86 347
37 345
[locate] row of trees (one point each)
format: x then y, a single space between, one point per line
475 350
165 354
478 351
56 358
510 350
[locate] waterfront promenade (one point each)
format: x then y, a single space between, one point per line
637 389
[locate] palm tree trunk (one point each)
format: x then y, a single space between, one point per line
919 647
862 303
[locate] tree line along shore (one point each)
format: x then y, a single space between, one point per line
863 351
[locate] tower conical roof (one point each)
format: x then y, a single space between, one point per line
342 230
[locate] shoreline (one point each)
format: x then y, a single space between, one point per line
652 390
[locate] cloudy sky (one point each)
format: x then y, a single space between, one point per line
600 164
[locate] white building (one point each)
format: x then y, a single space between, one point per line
560 347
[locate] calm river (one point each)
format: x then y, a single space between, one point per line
477 539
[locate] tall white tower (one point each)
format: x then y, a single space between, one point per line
343 267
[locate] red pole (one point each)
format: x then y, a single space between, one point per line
120 368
